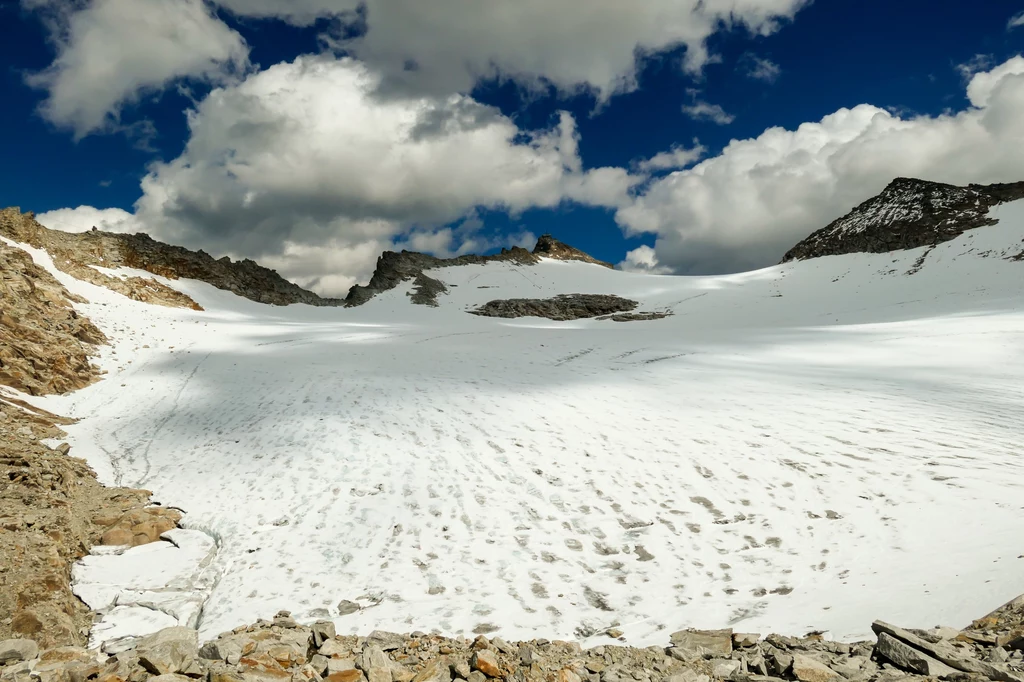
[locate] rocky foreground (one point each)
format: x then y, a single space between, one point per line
992 648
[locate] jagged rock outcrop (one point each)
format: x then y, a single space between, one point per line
549 247
44 343
562 307
907 214
52 508
79 253
394 268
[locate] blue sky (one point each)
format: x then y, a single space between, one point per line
553 138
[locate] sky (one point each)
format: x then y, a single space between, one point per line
667 136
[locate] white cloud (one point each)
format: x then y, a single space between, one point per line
304 154
111 52
84 218
976 64
761 69
703 111
1015 21
643 259
675 158
745 207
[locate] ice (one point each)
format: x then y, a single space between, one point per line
809 446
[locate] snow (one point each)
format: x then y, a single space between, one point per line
809 446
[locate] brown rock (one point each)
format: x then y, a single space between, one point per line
486 662
806 669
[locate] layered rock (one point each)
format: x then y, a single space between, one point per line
79 254
45 344
907 214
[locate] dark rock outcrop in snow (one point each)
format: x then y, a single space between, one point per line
77 253
394 268
907 214
563 307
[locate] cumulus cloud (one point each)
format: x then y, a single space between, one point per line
745 207
645 260
84 218
704 111
111 52
1016 21
306 155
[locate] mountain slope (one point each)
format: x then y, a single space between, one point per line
908 213
808 446
82 253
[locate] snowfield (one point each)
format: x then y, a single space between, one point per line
806 447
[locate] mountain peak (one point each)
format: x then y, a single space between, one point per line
907 214
549 247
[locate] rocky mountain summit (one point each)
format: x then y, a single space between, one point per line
394 268
79 254
908 214
282 650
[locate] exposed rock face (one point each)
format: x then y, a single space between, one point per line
394 268
44 344
52 508
563 307
549 247
907 214
74 253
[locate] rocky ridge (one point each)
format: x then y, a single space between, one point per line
393 268
907 214
79 254
52 508
280 650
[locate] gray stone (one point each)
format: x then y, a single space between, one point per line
850 668
436 671
909 658
332 648
221 649
944 652
756 663
503 646
807 669
997 655
171 650
337 665
346 607
461 670
723 669
322 630
527 655
707 642
688 675
745 639
319 663
375 663
18 650
387 641
477 676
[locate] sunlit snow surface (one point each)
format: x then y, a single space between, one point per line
809 446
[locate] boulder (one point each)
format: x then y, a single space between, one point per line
171 650
709 643
14 650
745 639
486 662
806 669
909 658
437 670
322 630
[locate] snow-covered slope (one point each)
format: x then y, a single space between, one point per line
809 446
